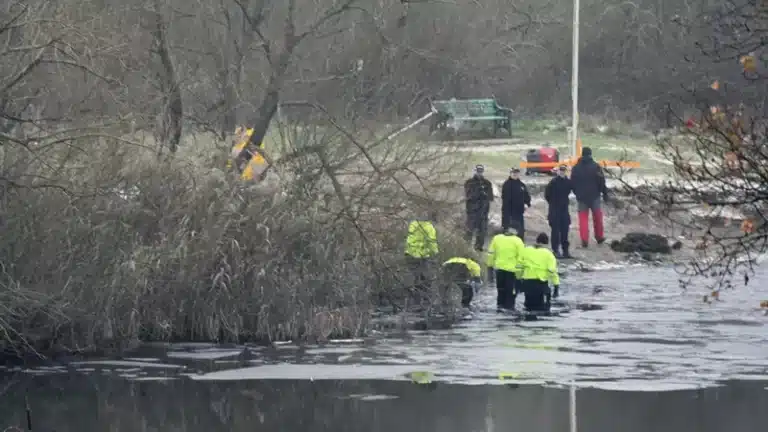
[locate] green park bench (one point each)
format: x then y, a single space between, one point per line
464 114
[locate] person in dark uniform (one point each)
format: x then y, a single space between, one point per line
557 193
514 199
588 181
478 192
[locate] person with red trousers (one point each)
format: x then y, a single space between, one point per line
588 182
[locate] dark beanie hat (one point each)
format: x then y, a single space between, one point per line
586 151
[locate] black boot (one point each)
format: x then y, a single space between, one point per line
566 252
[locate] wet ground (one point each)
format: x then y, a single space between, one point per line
644 355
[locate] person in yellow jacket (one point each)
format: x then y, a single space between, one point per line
503 256
421 249
539 269
251 164
464 273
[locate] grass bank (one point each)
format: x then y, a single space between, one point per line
105 245
608 140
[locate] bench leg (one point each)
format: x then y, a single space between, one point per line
509 125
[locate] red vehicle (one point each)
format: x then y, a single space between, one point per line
543 154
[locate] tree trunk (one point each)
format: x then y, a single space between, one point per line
271 100
172 110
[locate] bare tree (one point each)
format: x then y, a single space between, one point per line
42 108
718 192
169 125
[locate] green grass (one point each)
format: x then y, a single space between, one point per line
603 148
594 140
497 161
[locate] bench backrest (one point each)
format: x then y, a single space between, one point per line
468 107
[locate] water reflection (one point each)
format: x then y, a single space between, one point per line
67 402
657 359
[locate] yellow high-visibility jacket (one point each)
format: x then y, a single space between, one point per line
472 266
422 240
254 164
539 263
504 252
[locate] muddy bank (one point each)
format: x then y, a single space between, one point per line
619 220
623 215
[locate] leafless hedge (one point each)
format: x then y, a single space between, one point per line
720 156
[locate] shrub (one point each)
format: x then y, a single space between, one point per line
118 246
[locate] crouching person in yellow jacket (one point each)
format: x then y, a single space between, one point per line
464 273
504 257
421 250
539 268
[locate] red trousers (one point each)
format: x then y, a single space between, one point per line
597 220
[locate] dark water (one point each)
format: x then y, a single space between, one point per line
100 403
645 356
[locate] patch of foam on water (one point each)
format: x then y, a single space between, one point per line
207 354
125 363
346 341
42 371
605 265
332 350
370 397
310 372
285 345
723 212
761 257
749 377
191 345
640 385
152 378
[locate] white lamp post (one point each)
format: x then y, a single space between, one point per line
574 135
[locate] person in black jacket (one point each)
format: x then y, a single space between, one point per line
514 199
557 193
588 181
478 192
